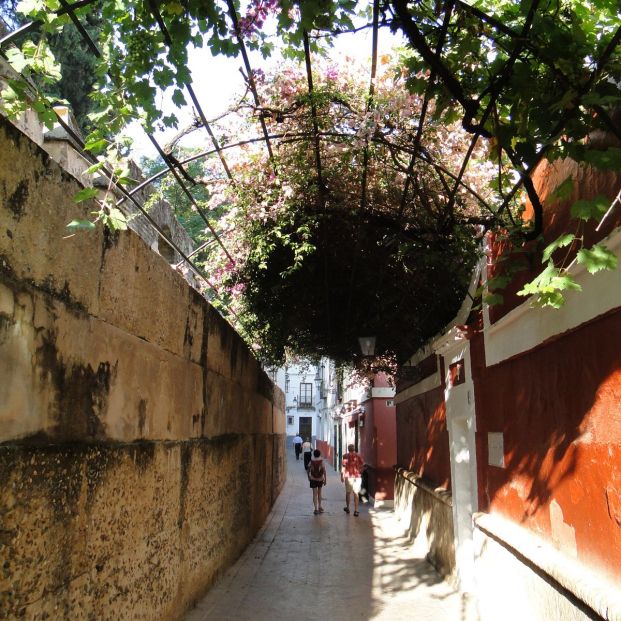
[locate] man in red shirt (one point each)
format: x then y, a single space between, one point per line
351 475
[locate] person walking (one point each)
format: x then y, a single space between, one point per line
297 445
317 479
307 449
351 475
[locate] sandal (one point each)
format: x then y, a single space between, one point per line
315 512
320 509
346 509
356 514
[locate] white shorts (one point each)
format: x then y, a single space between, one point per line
353 485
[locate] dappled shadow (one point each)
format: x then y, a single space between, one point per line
301 565
423 446
427 519
552 402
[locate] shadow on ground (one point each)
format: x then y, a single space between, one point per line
301 566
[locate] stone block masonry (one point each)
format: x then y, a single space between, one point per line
426 514
141 444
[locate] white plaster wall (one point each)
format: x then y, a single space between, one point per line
461 425
511 591
537 583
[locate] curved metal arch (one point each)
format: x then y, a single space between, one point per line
423 155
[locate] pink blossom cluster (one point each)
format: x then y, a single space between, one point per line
255 17
332 73
221 272
392 114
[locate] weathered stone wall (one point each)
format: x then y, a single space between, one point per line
427 516
141 444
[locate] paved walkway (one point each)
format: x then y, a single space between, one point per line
336 566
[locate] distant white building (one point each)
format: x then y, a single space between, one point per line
306 388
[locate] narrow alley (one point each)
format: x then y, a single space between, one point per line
391 227
304 566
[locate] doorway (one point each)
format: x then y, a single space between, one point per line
306 427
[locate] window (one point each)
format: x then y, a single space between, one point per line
287 382
306 395
289 420
457 373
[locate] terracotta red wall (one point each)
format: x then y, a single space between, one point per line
423 445
326 451
378 447
559 408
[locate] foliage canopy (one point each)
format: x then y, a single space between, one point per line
366 216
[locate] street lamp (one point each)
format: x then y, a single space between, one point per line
295 402
367 345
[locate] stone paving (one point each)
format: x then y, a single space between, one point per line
333 565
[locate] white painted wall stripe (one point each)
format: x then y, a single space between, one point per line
526 327
429 383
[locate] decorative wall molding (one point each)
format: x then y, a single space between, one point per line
425 385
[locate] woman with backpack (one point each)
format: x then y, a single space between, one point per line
317 478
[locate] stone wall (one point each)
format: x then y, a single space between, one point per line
66 152
141 444
427 516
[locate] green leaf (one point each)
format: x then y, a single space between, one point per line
595 99
597 258
607 159
590 209
81 225
563 191
94 168
555 299
559 242
16 59
498 282
30 6
85 194
115 219
565 282
174 8
178 98
549 287
96 145
493 299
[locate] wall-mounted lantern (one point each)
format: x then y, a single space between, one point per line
367 345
